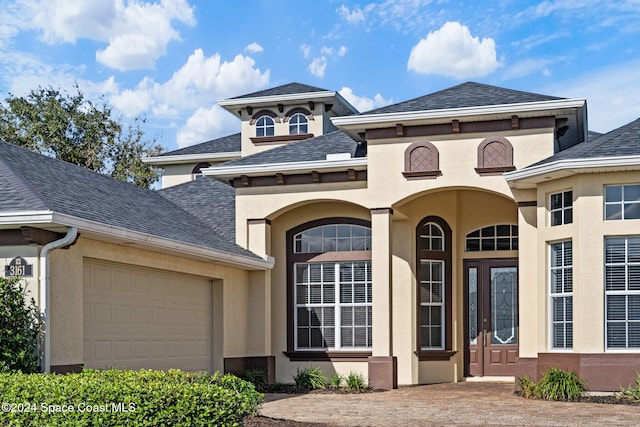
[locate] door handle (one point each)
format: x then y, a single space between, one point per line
484 338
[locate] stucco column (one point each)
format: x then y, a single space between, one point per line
382 364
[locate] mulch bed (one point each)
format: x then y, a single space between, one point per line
259 421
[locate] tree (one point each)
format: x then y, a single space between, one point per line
71 128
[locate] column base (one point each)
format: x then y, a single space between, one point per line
383 372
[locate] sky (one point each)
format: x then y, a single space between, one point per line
169 61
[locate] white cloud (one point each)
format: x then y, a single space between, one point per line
362 103
342 51
137 33
254 48
306 50
318 66
353 16
205 124
527 67
452 51
326 50
612 94
199 82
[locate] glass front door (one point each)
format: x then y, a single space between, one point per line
491 318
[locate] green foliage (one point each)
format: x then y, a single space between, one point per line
19 328
631 393
311 378
71 128
336 380
556 384
528 388
356 381
257 377
117 398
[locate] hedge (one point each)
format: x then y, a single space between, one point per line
118 397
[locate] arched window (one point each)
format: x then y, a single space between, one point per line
330 287
503 237
265 126
298 124
421 160
433 256
196 173
495 156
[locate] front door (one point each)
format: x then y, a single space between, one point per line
491 316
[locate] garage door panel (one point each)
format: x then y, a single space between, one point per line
138 318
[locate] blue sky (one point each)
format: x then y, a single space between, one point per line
171 60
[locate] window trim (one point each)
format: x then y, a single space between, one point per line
563 209
196 172
626 292
446 256
512 237
621 203
292 259
298 125
553 295
266 126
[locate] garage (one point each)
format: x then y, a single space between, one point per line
143 318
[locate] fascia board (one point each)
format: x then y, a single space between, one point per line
302 167
158 244
550 168
506 109
190 158
273 99
26 217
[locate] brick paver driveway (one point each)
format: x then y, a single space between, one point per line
445 404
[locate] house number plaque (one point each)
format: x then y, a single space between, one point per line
18 267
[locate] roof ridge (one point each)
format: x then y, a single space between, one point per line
34 192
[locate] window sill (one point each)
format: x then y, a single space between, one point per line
435 354
328 356
279 139
422 174
495 171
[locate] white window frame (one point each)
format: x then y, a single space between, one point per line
563 208
563 295
263 127
298 124
441 303
338 306
620 203
626 292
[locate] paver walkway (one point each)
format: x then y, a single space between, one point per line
459 404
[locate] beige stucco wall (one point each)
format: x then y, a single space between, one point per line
319 125
30 254
587 233
176 174
464 199
233 297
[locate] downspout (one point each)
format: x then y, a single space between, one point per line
45 277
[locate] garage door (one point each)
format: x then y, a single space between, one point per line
140 318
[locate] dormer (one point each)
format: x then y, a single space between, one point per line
283 114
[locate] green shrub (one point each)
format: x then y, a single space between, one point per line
356 381
19 328
257 377
528 388
631 393
117 398
557 384
336 380
311 378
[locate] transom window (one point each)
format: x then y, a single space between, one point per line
431 237
298 124
561 293
265 126
503 237
196 172
622 292
622 202
561 207
331 286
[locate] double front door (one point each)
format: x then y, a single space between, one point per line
491 317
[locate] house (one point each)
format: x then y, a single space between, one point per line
426 241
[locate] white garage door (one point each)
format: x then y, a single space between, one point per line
140 318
